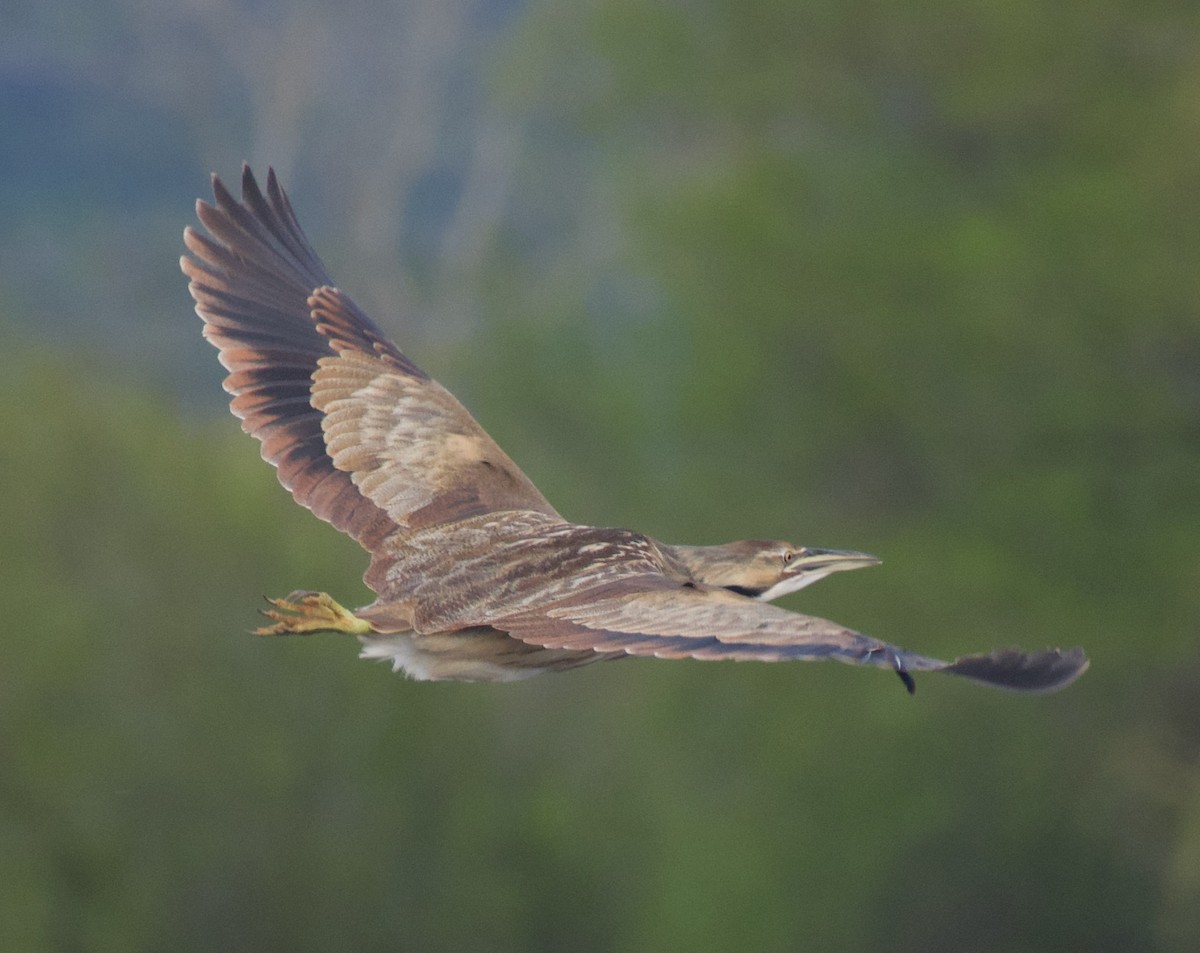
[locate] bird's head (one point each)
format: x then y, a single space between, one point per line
766 568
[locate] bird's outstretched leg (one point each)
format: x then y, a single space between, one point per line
304 612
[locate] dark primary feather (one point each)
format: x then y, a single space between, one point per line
1021 671
251 286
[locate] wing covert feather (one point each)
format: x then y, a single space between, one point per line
412 448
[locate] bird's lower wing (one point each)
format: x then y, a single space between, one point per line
651 616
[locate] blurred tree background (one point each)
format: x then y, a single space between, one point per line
918 279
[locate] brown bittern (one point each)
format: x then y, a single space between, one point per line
478 577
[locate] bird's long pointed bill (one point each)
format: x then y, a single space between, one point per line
829 560
811 565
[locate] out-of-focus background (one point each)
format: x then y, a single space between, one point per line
919 279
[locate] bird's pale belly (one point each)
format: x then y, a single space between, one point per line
479 654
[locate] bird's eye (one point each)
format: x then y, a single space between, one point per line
788 555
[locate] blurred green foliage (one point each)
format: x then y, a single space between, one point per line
919 281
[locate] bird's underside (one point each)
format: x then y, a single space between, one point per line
477 576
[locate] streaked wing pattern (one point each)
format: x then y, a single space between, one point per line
408 443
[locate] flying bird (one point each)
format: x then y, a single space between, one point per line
477 576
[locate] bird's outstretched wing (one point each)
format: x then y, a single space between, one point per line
654 616
358 433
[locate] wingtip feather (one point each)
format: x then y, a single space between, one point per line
1038 672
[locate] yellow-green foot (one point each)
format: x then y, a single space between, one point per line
303 613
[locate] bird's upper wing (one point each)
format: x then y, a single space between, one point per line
358 433
653 615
